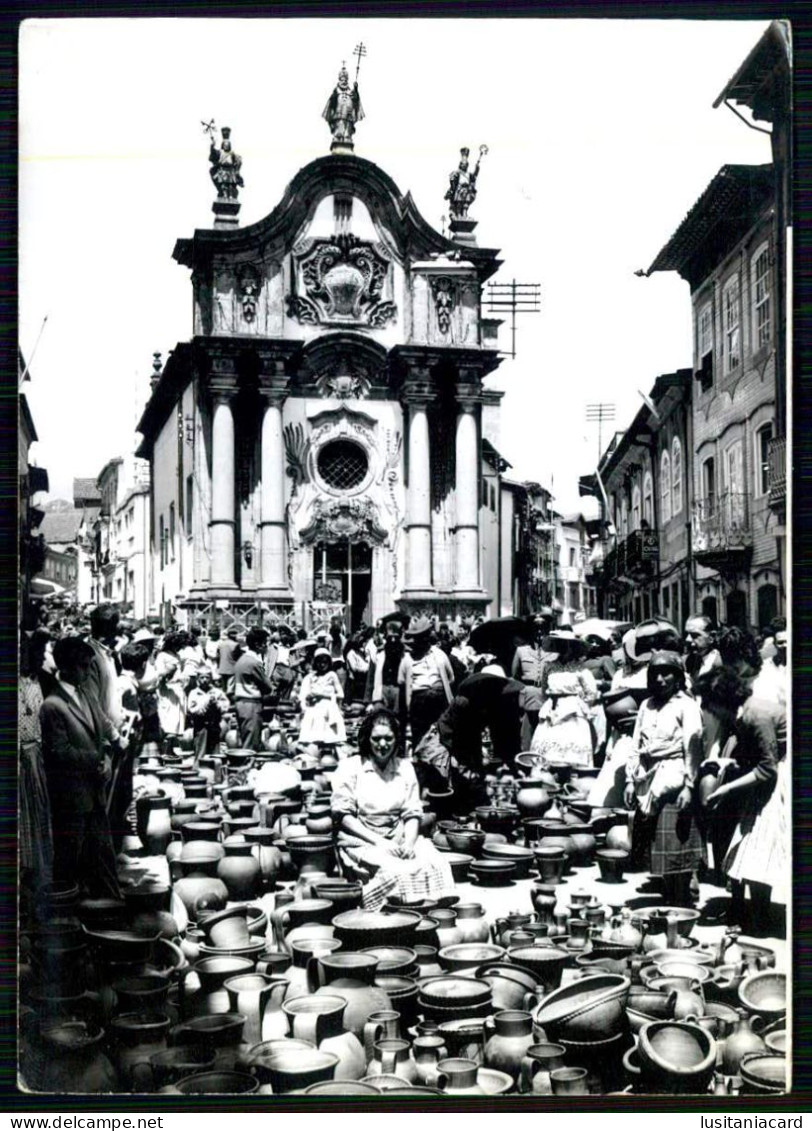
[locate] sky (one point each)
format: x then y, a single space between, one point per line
601 136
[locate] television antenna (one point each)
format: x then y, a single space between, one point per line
596 414
514 298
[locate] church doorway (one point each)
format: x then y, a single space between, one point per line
342 574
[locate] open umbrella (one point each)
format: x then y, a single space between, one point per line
303 645
594 626
501 638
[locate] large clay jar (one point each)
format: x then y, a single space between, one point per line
301 974
134 1038
544 899
345 895
448 933
472 923
312 853
319 1019
539 1061
562 841
428 1050
298 914
739 1044
239 870
211 974
154 822
71 1059
618 836
551 864
351 976
532 800
510 1035
511 987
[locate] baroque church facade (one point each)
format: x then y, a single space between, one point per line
316 447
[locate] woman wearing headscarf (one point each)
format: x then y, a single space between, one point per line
756 791
171 684
320 696
564 732
377 809
661 775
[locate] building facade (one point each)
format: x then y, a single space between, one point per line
646 568
574 597
317 446
123 535
32 480
725 249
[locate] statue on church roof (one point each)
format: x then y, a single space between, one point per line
225 164
342 111
461 192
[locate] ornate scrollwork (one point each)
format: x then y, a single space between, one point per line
344 386
295 452
443 290
343 280
343 520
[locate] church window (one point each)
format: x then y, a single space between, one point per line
343 465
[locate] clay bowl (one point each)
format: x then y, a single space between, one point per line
217 1083
763 956
175 1064
200 858
612 862
510 985
200 830
469 841
529 763
396 960
763 1073
228 928
545 963
468 956
676 1056
147 897
777 1041
212 972
346 1088
460 864
122 946
521 858
689 970
359 929
586 1010
453 990
590 964
765 994
100 913
693 955
252 950
493 873
656 918
496 819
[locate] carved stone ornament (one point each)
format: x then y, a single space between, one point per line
344 387
248 283
343 280
343 520
443 289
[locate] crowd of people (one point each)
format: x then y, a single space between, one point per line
684 729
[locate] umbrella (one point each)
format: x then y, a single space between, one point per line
301 645
594 626
501 638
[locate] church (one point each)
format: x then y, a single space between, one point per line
323 444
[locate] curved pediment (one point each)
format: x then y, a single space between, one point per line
394 212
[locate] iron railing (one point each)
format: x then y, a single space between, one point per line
777 471
722 524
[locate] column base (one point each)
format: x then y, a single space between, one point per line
278 596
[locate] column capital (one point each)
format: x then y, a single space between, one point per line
417 393
469 398
275 391
222 392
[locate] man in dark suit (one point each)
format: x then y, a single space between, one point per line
74 733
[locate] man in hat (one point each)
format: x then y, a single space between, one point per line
428 679
104 671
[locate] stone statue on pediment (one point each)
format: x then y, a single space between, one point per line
342 111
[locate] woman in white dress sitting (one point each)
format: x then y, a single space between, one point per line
376 810
320 696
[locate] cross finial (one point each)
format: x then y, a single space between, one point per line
359 51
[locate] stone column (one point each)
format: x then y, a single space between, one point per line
274 575
222 491
417 397
467 493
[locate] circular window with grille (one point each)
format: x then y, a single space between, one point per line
342 465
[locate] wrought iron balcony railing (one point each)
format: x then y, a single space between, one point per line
777 472
721 527
633 557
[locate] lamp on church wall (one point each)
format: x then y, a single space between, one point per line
248 553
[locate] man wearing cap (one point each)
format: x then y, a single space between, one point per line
229 652
528 666
250 685
428 679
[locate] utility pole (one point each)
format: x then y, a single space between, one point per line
515 298
597 413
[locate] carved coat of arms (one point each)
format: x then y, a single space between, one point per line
342 280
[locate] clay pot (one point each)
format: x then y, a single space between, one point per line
763 1074
740 1043
532 801
343 1088
227 929
402 993
447 932
472 923
135 1037
351 976
311 853
144 993
551 864
511 986
240 870
427 961
618 836
510 1035
345 895
585 845
220 1033
174 1064
153 821
200 830
298 914
212 974
72 1059
199 893
391 1057
591 1009
360 929
520 857
495 819
537 1064
393 960
765 994
563 842
545 963
293 1068
217 1083
458 1076
467 841
319 1019
569 1082
676 1056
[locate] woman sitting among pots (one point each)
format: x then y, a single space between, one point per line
376 810
661 773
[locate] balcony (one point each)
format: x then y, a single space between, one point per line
777 473
632 559
721 535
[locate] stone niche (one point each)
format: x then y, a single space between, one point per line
241 297
446 303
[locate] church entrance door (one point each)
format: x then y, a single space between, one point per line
342 573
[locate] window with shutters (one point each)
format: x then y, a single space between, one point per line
731 305
760 283
676 476
665 488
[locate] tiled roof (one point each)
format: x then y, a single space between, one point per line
60 526
86 489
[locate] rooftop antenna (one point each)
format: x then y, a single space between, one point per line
517 298
360 51
597 413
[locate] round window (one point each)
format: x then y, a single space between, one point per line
342 465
